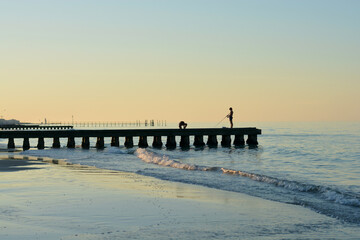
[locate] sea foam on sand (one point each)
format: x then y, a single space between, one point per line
64 201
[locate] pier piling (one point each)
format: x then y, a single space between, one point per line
171 142
100 143
212 141
129 142
199 141
115 142
252 140
143 142
26 144
85 143
239 140
56 142
226 141
157 143
171 135
71 142
11 143
185 141
41 144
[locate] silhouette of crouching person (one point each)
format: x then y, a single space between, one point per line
182 125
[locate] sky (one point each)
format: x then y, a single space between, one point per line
117 60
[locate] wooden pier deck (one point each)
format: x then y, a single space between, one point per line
143 135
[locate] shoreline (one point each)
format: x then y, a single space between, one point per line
45 198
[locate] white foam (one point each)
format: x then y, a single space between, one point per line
329 195
340 198
151 157
281 183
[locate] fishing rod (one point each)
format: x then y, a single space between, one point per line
221 121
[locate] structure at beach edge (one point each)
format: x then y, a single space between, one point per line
143 134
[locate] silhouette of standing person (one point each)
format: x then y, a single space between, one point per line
230 116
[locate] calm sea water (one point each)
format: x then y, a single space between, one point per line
315 165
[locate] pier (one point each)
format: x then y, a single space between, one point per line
34 126
112 124
229 137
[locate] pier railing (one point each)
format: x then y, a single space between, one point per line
34 126
143 135
138 123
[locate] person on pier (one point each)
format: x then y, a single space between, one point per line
230 116
182 125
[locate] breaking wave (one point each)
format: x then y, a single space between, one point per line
325 193
151 157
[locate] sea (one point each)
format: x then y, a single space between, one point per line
315 165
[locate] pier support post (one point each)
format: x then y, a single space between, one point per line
115 142
157 143
85 143
26 144
56 142
143 142
41 144
239 140
185 141
71 142
11 143
171 142
226 141
252 140
212 141
129 143
199 141
100 143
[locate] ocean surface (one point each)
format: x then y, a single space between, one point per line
314 165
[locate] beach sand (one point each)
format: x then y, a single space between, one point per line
50 199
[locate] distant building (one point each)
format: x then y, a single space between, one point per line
9 122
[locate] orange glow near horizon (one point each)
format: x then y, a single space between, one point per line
127 61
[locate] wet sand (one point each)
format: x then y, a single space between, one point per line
50 199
